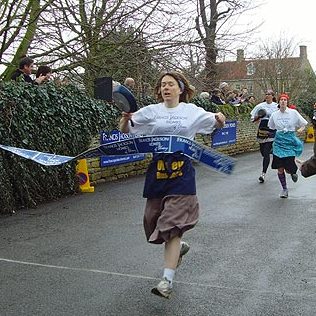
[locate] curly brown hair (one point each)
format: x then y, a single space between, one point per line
187 91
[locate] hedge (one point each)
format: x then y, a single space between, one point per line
47 118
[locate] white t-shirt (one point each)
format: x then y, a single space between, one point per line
289 120
185 120
268 107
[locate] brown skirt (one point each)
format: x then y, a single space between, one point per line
169 217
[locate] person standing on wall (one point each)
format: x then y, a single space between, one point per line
265 136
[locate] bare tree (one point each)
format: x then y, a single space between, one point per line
90 38
277 68
80 37
214 24
19 22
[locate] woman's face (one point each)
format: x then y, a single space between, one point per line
269 97
169 88
283 103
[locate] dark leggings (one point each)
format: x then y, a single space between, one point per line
265 150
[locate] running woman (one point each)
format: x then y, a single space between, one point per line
265 135
172 207
286 145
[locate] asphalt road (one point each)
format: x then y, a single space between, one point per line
252 253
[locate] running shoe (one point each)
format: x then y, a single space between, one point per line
163 289
294 177
261 178
183 250
284 194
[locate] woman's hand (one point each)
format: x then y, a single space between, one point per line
220 120
123 124
126 116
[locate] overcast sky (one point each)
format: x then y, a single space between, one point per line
291 19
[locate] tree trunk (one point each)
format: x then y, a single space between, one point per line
28 38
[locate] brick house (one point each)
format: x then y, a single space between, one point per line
257 75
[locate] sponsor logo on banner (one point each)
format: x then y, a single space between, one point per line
136 148
107 137
226 135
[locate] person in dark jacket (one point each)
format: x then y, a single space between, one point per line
23 73
216 97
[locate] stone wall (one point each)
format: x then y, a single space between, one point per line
246 142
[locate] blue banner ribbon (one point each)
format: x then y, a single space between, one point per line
137 145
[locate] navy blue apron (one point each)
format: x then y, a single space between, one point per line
169 174
264 131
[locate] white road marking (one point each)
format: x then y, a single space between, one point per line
239 289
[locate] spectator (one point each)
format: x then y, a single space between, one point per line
129 83
224 89
205 95
216 97
45 71
232 98
251 100
23 73
243 95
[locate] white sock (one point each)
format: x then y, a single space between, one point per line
169 274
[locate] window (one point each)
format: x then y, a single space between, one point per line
250 69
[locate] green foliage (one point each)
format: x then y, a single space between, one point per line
206 104
230 111
307 98
145 100
306 106
47 118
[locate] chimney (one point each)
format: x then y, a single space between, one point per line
303 52
240 55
